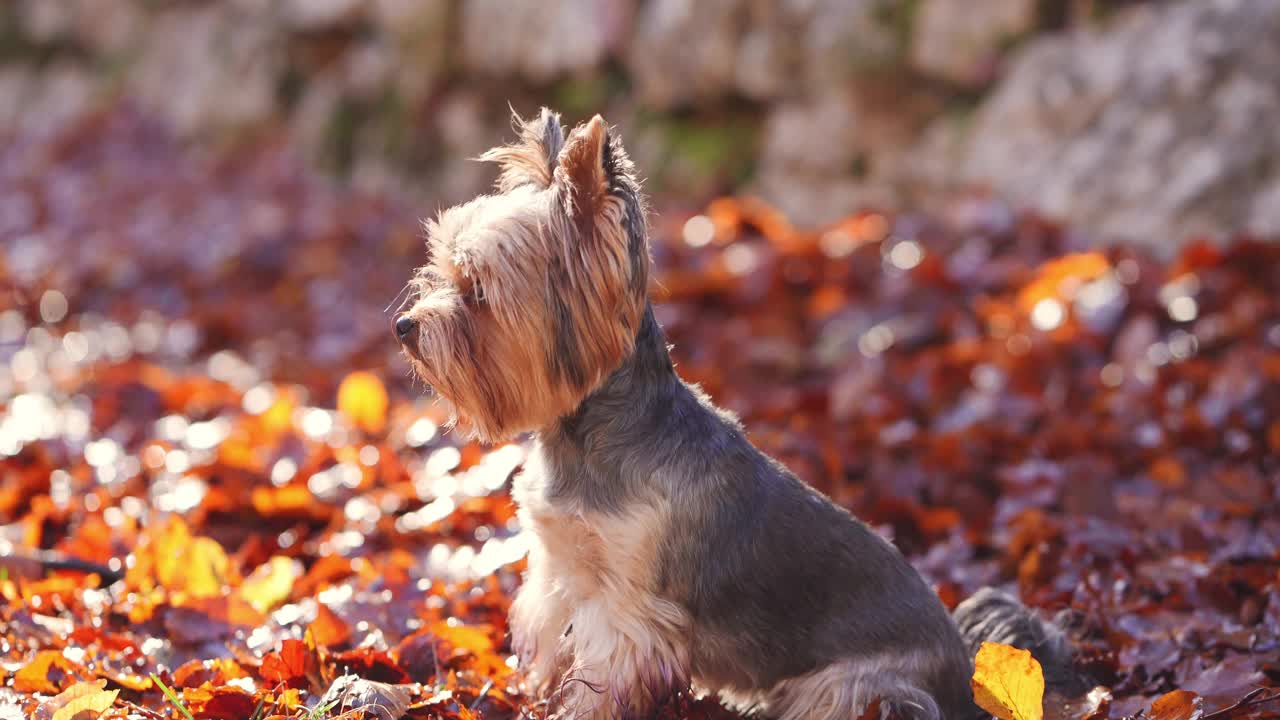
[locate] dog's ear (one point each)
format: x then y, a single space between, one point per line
586 169
597 188
532 159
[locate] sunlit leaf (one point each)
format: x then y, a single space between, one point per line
362 399
205 567
271 583
289 666
83 701
1008 682
1178 705
328 629
48 673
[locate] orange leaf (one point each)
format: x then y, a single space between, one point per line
328 629
288 666
1178 705
362 399
464 637
47 673
1008 683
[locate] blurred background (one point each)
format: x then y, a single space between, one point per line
1149 121
994 274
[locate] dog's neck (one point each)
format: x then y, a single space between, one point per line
640 388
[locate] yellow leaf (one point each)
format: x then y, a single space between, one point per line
205 564
362 399
278 419
180 561
82 701
1008 683
169 543
271 583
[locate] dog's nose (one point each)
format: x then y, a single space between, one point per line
404 326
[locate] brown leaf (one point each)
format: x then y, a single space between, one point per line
1177 705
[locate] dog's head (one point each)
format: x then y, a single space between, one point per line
532 296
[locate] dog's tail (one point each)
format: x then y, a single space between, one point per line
991 615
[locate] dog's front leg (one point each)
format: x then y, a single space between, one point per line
540 617
625 663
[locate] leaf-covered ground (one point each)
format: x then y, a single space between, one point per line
199 394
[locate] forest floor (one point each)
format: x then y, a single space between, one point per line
200 393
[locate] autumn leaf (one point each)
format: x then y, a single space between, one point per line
289 666
271 583
329 630
207 565
1008 682
180 562
1060 277
362 399
82 701
1178 705
47 673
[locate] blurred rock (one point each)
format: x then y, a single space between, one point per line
847 37
825 157
207 67
43 101
960 41
1155 129
313 15
687 51
1154 126
684 50
817 136
541 40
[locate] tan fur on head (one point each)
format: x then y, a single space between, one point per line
533 296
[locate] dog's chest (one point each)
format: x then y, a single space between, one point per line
585 548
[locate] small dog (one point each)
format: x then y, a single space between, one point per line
668 552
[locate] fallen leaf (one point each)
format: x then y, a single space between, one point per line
329 630
1178 705
372 699
1008 682
48 672
271 583
290 666
84 701
362 399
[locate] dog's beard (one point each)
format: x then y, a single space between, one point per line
420 372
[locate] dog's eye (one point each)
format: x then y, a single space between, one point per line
477 291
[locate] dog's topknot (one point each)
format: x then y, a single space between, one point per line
530 160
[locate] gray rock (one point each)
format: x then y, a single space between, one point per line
312 15
541 40
684 50
692 51
960 40
817 136
207 67
1154 129
43 101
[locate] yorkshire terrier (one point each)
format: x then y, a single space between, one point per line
668 552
